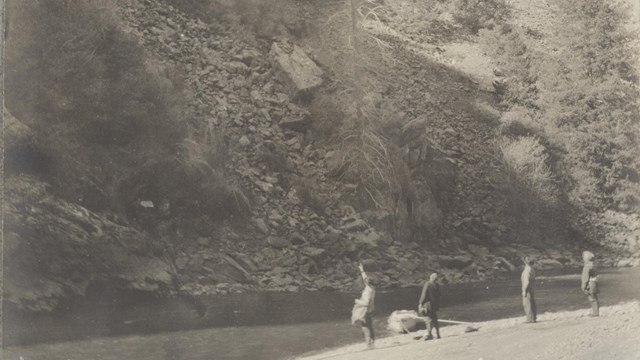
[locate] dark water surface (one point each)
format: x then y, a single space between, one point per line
266 326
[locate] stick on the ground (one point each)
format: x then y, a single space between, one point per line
424 318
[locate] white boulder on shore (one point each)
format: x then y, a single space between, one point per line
403 321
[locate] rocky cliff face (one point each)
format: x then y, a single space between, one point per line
54 249
254 96
304 233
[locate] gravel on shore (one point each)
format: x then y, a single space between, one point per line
561 335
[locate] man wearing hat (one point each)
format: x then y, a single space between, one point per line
429 304
528 300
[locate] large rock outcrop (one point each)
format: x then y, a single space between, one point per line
299 71
55 249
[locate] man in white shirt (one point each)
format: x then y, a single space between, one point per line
363 308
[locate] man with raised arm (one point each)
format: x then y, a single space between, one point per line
363 308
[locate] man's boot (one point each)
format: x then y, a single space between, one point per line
595 311
367 336
429 328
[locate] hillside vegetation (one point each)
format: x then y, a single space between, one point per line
573 105
454 136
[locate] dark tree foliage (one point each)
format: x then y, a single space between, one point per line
111 118
86 90
578 94
595 108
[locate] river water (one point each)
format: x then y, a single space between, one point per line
266 325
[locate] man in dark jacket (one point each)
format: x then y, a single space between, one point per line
528 300
590 281
429 304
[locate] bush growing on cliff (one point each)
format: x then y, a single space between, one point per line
479 14
264 18
171 183
365 152
527 161
328 114
516 56
519 122
532 191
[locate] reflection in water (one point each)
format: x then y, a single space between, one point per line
282 325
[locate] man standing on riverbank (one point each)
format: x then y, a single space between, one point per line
590 281
429 305
528 300
363 308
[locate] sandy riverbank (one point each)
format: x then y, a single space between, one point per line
563 335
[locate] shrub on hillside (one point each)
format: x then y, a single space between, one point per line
516 56
531 186
327 113
367 157
186 184
263 18
269 18
365 160
605 174
365 152
475 15
519 122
